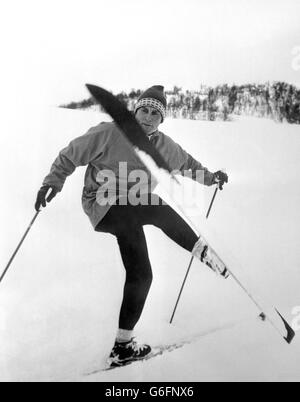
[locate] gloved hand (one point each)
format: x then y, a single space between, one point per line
220 178
41 196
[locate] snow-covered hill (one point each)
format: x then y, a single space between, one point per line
59 302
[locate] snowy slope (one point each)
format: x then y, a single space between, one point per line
59 302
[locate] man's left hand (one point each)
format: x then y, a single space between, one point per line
220 178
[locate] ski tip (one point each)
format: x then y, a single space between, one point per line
93 89
89 86
290 335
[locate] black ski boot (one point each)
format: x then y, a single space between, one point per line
127 352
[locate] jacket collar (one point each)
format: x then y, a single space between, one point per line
153 135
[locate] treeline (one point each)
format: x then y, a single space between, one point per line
278 100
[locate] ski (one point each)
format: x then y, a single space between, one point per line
154 162
161 349
158 350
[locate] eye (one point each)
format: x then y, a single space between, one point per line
144 110
154 112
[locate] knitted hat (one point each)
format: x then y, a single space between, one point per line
153 97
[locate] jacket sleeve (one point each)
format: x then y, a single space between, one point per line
80 152
199 172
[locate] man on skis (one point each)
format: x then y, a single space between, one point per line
109 207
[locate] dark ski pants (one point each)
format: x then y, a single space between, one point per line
126 223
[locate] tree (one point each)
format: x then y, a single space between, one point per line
176 90
197 104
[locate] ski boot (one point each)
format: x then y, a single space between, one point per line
205 254
124 353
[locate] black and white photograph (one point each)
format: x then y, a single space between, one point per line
150 220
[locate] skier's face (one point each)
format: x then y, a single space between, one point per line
149 118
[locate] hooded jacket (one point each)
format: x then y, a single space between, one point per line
103 149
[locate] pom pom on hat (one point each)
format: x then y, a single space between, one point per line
153 97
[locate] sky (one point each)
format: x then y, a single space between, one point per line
50 49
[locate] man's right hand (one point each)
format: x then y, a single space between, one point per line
41 196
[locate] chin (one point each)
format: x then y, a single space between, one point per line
148 131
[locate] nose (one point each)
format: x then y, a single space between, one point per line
148 116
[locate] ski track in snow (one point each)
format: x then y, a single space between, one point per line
59 302
166 347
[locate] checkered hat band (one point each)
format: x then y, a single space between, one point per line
152 103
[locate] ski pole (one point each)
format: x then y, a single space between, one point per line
212 201
19 246
192 259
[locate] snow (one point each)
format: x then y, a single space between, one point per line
60 300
